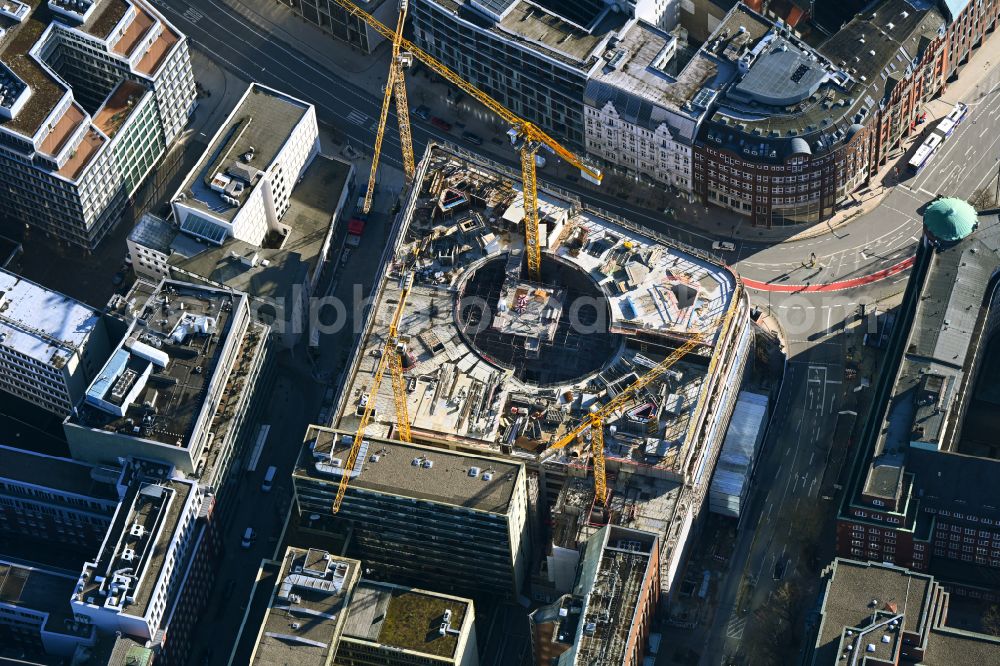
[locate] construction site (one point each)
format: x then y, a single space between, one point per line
619 337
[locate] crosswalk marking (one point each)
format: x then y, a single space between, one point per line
735 628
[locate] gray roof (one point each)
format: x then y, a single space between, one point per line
310 219
263 121
446 481
60 475
847 602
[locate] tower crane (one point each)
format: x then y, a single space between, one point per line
391 357
528 137
395 85
595 420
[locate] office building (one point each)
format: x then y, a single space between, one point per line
607 617
499 365
418 514
333 20
35 619
755 120
256 214
152 573
91 94
882 614
51 346
390 625
922 491
308 610
534 58
323 613
54 501
180 385
242 185
142 537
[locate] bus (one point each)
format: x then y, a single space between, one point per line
925 152
945 128
958 113
258 447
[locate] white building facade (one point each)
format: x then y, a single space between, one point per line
51 346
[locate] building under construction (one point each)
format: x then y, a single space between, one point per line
498 364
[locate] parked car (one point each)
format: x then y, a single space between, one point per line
248 538
422 112
723 246
474 139
441 124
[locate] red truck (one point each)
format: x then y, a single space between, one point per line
355 229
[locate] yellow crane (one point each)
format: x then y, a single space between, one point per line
595 420
395 86
391 357
530 137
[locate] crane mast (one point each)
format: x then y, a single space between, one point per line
390 359
395 86
530 136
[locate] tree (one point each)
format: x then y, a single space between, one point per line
991 620
983 199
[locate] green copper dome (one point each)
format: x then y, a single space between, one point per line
950 219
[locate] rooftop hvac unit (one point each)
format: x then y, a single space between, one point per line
137 530
487 476
473 471
428 464
336 462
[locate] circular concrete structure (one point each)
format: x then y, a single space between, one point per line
553 331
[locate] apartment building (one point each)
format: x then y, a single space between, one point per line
256 214
883 614
181 386
91 94
420 515
333 20
922 491
51 346
607 617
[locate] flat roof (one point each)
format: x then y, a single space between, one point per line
307 612
32 588
46 90
389 467
613 571
155 384
56 474
141 534
309 219
262 121
858 594
40 323
493 390
405 618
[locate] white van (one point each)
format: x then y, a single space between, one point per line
268 479
248 538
